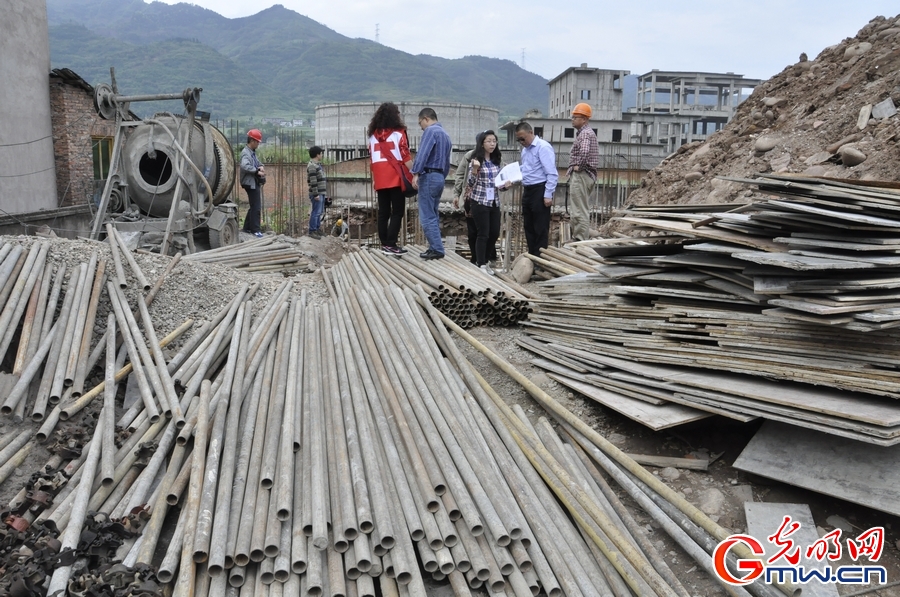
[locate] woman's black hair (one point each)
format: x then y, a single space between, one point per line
496 156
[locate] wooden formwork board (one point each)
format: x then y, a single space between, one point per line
854 471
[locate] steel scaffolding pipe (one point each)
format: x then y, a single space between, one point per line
19 296
135 268
237 356
245 475
77 325
126 332
82 365
108 413
185 583
381 526
54 370
77 405
69 539
245 528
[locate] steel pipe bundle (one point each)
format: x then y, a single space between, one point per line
569 491
455 287
261 255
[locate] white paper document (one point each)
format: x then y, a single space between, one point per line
509 173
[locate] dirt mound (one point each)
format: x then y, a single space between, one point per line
830 117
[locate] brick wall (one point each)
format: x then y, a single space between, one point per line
74 123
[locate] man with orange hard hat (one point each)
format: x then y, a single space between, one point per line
253 176
583 162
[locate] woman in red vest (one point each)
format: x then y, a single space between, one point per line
389 150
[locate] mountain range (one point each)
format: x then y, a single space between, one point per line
276 63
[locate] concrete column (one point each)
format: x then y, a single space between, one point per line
733 101
27 166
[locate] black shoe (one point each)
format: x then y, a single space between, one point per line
431 254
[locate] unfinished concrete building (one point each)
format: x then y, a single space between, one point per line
707 99
644 139
600 88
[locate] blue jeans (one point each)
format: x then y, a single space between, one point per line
318 208
431 187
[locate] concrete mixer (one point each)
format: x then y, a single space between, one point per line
170 177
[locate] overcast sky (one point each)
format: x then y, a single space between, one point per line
756 39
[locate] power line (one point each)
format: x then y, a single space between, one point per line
25 142
53 167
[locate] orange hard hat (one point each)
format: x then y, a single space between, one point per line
582 109
255 134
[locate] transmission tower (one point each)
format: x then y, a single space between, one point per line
523 58
376 34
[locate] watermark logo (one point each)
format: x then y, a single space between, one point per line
798 564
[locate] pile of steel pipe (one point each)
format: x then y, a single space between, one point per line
573 258
332 449
260 255
457 288
60 348
54 352
554 262
567 471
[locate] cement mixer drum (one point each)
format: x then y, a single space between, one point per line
150 155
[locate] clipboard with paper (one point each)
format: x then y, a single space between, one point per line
509 173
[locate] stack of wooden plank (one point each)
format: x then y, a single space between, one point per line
739 313
820 251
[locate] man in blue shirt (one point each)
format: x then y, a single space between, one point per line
539 178
430 168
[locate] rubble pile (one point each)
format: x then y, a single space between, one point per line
834 116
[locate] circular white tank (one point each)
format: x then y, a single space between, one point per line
344 124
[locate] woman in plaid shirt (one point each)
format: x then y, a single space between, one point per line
485 165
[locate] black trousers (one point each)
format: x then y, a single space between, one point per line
391 206
251 220
535 218
472 236
487 226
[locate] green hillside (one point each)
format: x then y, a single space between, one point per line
276 62
167 67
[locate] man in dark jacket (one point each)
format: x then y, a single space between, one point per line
253 176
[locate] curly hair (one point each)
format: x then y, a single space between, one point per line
387 116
